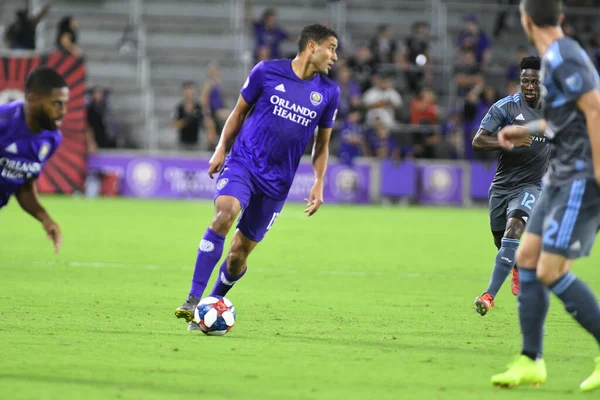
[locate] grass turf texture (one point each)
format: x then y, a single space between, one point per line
353 303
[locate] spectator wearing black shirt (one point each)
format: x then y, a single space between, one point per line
66 36
20 35
102 126
188 116
416 55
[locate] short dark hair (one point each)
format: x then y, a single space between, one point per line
187 84
43 80
316 32
543 13
530 62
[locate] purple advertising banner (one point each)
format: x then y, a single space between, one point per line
398 179
482 175
441 184
175 177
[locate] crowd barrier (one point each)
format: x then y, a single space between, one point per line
368 181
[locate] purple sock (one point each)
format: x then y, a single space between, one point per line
225 281
209 254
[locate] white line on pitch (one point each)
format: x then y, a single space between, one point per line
274 271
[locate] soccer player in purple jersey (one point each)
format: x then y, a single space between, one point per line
29 136
280 106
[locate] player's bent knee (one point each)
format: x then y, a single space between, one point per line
227 209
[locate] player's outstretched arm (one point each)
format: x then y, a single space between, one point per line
589 104
28 199
485 141
320 156
514 135
230 130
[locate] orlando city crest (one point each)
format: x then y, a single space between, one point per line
316 98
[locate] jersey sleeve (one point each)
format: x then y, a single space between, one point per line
328 117
53 147
575 77
495 119
253 86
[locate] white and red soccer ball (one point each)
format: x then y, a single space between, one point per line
215 315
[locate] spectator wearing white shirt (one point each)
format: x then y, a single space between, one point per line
382 101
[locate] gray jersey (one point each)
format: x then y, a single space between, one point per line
523 166
567 73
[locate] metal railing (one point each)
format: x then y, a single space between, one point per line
144 75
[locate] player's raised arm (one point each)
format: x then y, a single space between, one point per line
589 104
28 199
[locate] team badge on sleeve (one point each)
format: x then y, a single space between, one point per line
221 183
44 150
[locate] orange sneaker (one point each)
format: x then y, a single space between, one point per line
483 303
514 282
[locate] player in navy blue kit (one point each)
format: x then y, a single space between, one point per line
29 136
280 106
517 183
564 223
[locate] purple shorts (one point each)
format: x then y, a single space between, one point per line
259 211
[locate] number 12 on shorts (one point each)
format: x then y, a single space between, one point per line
528 200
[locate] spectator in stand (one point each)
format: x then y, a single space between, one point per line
505 9
352 139
513 71
453 135
187 119
66 36
20 35
102 131
468 74
212 97
424 108
427 141
267 33
381 144
383 47
349 92
473 39
569 31
382 101
477 103
362 66
416 55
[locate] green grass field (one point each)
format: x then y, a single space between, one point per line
353 303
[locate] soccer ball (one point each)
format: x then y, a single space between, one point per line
215 315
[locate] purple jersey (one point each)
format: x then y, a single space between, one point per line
286 111
22 153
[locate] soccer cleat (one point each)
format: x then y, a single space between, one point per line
593 381
483 303
524 371
514 282
193 327
187 309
